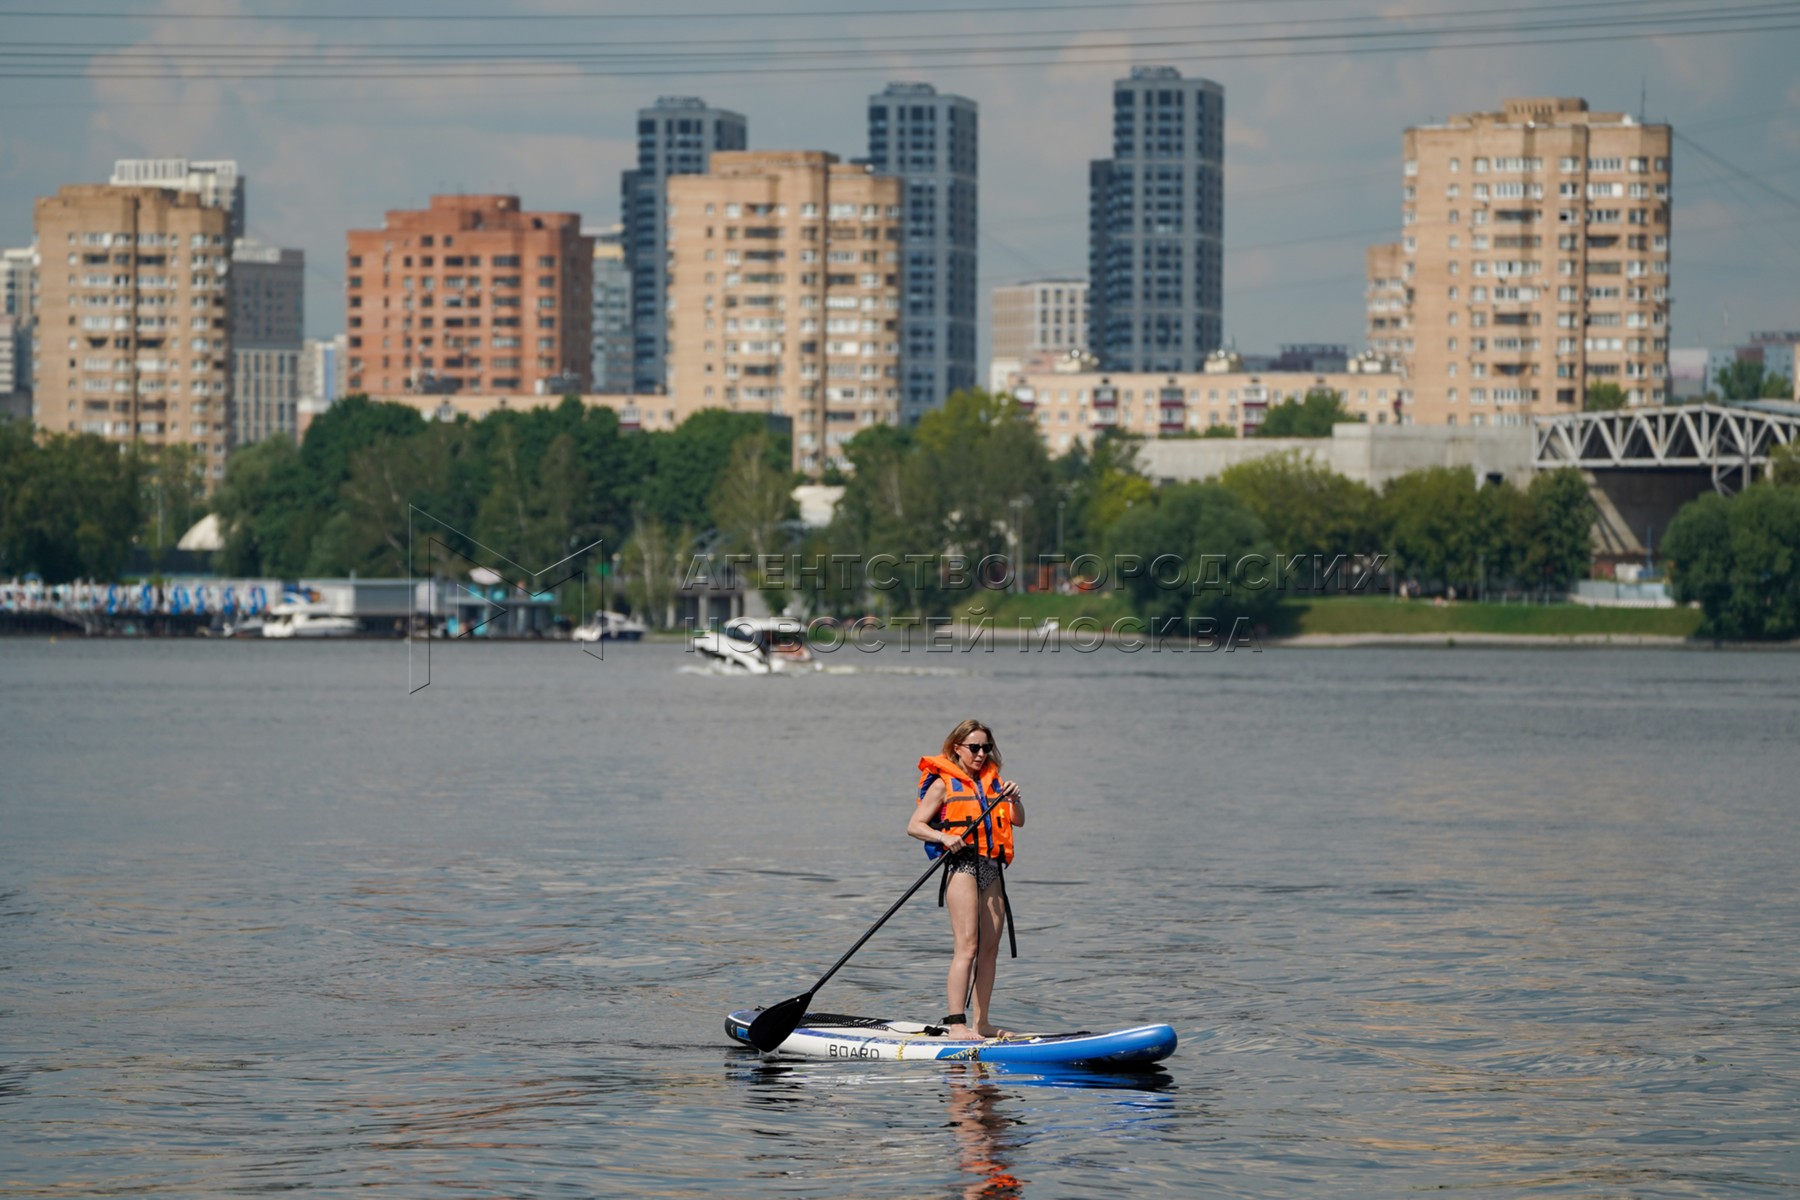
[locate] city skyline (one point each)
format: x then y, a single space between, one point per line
328 157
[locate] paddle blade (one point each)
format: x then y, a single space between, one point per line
773 1025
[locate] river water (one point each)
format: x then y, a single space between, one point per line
1503 921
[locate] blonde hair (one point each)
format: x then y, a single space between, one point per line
962 731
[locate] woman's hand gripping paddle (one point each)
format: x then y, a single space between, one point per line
774 1025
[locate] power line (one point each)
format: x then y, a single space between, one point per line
523 18
195 51
580 67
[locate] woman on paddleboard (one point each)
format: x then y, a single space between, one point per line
955 786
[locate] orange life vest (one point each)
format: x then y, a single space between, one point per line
964 798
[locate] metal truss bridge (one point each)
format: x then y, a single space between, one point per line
1732 441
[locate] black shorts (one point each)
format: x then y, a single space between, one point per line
986 870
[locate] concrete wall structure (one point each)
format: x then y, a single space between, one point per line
1536 248
134 330
784 295
1368 454
471 294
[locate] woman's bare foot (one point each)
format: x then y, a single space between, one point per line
996 1032
960 1032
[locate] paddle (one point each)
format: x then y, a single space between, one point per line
774 1025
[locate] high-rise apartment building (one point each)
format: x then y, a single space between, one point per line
218 184
678 135
471 294
612 311
1535 247
931 143
267 306
321 379
784 295
1040 316
1156 225
134 322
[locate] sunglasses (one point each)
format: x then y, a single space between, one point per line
978 747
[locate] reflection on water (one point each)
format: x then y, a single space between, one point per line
1502 922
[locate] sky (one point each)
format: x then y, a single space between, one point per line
1317 94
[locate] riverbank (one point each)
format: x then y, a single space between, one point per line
1327 620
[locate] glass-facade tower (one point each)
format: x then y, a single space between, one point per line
675 136
930 142
1156 224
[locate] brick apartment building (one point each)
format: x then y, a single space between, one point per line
471 294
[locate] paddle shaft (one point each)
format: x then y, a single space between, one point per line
937 864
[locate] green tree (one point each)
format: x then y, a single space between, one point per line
1784 465
1313 416
649 568
751 506
373 526
1604 397
1557 543
984 451
268 511
1439 526
174 496
679 470
1205 556
1219 431
1100 484
1305 507
1776 386
1740 558
72 504
1740 379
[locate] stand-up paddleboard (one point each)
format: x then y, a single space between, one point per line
834 1035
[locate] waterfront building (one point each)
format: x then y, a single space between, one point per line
218 184
133 307
1156 224
1072 407
612 311
1535 257
678 135
267 307
930 142
471 294
784 295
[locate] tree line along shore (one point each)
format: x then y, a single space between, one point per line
971 481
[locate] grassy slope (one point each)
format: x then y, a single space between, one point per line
1377 615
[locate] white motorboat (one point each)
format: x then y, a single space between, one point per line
606 626
303 619
757 646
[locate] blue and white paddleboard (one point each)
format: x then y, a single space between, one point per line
834 1035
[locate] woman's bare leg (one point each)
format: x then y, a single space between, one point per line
960 898
992 912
